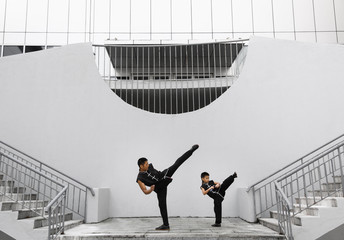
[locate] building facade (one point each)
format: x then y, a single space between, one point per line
166 56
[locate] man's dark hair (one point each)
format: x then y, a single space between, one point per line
203 174
141 161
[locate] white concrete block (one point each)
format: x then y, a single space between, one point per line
98 205
246 205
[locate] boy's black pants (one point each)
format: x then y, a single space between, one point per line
218 199
161 187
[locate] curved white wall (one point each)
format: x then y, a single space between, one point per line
287 101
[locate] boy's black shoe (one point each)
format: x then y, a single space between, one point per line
216 225
194 147
235 175
163 227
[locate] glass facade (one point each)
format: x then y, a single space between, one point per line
60 22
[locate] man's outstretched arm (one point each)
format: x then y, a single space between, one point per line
144 189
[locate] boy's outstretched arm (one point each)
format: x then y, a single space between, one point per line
205 192
144 189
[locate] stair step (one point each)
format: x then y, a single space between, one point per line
322 193
27 213
331 186
329 202
296 220
12 190
17 197
15 206
43 221
269 223
67 225
7 183
311 211
337 179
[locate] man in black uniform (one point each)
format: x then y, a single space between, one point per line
217 192
158 182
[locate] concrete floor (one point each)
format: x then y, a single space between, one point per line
181 228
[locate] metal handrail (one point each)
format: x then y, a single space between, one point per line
32 169
308 163
299 159
56 197
283 194
60 219
137 44
46 165
283 212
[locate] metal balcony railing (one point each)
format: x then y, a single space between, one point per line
170 79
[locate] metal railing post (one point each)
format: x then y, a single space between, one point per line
49 223
341 169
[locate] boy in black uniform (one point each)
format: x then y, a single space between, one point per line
217 192
158 182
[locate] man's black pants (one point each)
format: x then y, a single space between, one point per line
161 187
218 200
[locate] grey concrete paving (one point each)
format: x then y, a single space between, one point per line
181 228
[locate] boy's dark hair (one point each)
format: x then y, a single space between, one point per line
203 174
141 161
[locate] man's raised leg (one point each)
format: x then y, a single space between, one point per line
171 170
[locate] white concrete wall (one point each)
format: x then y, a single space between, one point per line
288 101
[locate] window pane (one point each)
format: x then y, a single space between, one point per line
101 16
339 5
222 16
15 16
140 16
57 39
181 19
305 37
37 16
286 36
161 16
76 38
262 16
341 37
304 18
324 15
14 38
201 16
326 37
35 39
58 16
77 21
2 15
242 16
283 15
120 17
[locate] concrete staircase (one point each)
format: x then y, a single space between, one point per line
311 223
16 218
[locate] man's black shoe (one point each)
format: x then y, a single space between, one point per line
163 227
195 147
235 175
216 225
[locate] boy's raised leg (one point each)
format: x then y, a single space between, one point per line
227 182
